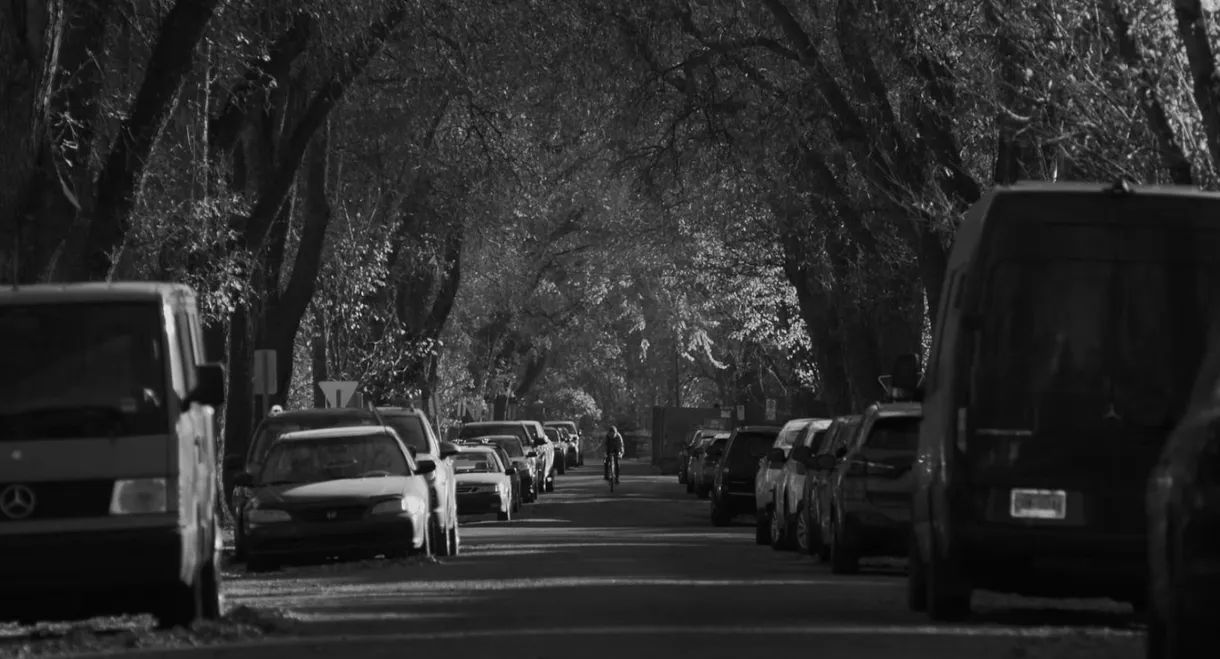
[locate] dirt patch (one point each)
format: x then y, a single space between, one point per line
117 634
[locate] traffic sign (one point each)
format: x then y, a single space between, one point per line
338 392
770 409
266 373
741 412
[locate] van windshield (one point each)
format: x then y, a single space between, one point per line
82 369
1113 334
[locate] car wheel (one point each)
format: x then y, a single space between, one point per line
948 598
505 515
690 485
560 467
720 516
455 539
701 491
842 560
917 579
802 530
182 604
762 527
440 538
239 542
778 531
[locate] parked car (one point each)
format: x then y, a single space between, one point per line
576 438
770 467
109 421
686 454
571 452
1048 402
871 488
519 457
532 434
733 487
340 491
825 482
484 482
559 440
809 519
694 460
412 427
790 486
708 463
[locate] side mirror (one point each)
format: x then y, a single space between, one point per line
449 449
775 455
234 462
840 452
243 479
425 467
825 462
800 455
511 470
531 454
413 451
210 389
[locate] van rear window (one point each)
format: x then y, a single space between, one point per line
82 369
895 433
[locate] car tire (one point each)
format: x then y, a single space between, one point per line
455 539
560 465
720 516
948 597
239 542
690 485
182 605
505 515
842 559
701 492
801 534
762 528
778 531
438 536
917 579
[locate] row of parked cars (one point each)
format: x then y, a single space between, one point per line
351 482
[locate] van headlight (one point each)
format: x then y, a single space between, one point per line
139 496
408 505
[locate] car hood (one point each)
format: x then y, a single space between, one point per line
480 479
347 489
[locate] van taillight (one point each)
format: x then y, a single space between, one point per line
961 429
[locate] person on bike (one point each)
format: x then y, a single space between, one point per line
614 451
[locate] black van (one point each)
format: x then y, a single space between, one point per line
1070 329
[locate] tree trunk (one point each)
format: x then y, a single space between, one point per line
321 370
173 56
1192 29
30 34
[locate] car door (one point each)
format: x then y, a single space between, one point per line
796 470
828 480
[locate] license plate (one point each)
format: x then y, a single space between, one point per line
1039 504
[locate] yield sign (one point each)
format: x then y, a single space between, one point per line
338 392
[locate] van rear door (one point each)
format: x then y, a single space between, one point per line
1092 315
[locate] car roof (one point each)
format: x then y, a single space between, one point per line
119 291
336 433
320 411
486 424
403 411
896 409
490 437
759 429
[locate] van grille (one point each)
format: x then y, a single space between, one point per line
61 500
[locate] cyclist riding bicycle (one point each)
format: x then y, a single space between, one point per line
614 451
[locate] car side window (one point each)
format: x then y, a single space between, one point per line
186 349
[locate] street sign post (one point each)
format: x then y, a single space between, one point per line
770 409
338 392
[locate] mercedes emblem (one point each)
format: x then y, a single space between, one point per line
17 502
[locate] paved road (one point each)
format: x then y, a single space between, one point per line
638 573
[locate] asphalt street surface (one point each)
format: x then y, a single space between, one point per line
637 573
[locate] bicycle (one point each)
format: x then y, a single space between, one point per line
612 472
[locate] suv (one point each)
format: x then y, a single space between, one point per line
870 487
1072 324
108 467
733 487
411 425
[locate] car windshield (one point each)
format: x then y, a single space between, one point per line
895 433
789 434
511 445
470 431
271 429
82 370
750 446
333 458
552 434
410 428
481 462
1111 325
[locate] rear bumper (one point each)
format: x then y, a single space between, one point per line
479 503
130 558
1054 562
293 539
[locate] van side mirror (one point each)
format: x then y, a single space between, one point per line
243 479
424 467
800 455
531 454
824 462
210 387
775 455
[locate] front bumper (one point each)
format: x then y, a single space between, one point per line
124 559
396 533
